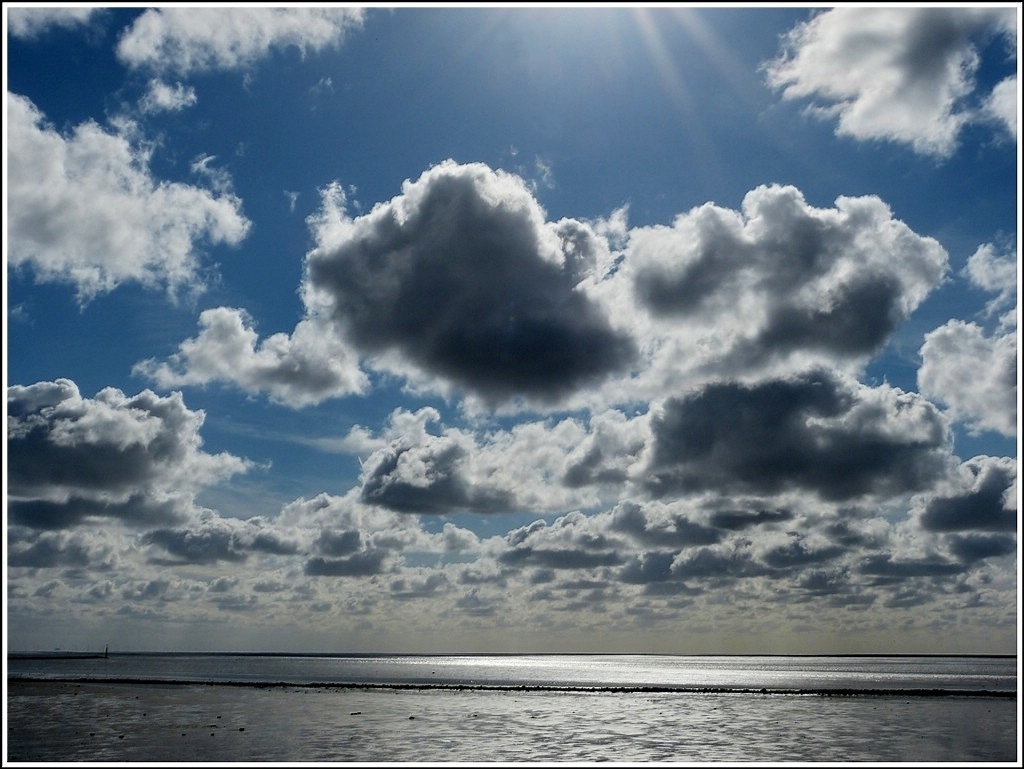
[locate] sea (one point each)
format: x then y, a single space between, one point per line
511 709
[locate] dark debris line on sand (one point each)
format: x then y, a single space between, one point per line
646 689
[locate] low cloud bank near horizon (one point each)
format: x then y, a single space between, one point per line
867 509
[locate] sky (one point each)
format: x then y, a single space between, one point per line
668 329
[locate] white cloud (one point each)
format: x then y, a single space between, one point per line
162 97
32 22
973 374
988 269
302 369
86 210
898 74
185 40
1002 105
970 371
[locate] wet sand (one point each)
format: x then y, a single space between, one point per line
118 722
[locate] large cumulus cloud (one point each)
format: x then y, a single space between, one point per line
776 285
462 276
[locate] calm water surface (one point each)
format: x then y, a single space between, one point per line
570 671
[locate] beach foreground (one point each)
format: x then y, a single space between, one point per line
69 721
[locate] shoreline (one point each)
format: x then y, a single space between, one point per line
573 689
429 655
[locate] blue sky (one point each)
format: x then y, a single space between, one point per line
642 329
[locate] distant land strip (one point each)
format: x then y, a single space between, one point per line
570 688
56 655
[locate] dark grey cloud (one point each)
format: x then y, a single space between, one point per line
858 321
714 564
716 255
985 506
811 432
888 569
665 529
592 469
476 606
847 533
134 459
796 554
47 552
151 590
462 276
573 541
559 559
338 543
64 444
975 547
222 585
213 540
199 546
825 582
738 520
273 543
236 602
362 564
270 586
137 509
427 479
425 587
542 576
647 567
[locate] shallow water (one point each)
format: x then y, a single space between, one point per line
567 671
55 721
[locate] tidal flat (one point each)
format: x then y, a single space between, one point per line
140 722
